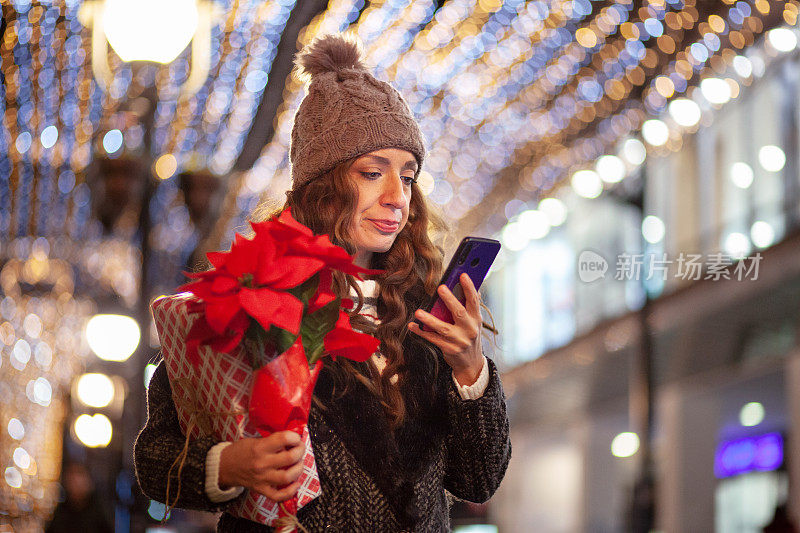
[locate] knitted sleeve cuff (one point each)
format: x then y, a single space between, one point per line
476 390
216 494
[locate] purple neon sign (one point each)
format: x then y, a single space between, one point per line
762 453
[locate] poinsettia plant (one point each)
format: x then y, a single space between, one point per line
273 290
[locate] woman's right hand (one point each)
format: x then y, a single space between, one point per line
269 465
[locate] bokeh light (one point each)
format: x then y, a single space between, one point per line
715 90
93 431
685 112
762 234
587 183
751 414
165 166
95 389
112 141
113 337
610 168
737 245
555 210
772 158
782 39
625 444
634 151
653 229
741 175
655 132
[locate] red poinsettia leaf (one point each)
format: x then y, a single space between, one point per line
198 334
291 271
334 256
202 289
270 307
197 278
221 311
288 220
223 284
343 341
243 257
324 294
217 259
202 334
196 275
227 343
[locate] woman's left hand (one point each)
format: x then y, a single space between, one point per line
460 342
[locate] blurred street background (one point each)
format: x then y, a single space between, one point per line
639 160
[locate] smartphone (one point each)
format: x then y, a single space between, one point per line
474 257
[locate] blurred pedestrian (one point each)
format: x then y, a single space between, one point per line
81 511
781 522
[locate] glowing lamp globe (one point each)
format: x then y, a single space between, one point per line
95 390
113 337
93 431
149 30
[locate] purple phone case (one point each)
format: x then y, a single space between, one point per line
473 256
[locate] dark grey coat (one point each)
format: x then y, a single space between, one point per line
373 479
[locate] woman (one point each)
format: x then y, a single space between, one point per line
425 416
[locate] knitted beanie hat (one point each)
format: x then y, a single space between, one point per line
346 113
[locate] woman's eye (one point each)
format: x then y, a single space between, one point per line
409 180
371 175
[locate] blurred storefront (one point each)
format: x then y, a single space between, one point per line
691 239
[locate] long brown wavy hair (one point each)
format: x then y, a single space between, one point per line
412 265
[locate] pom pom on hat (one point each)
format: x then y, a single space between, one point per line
346 112
329 53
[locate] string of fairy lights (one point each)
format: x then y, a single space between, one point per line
514 97
55 120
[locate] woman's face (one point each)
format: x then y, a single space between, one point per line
383 180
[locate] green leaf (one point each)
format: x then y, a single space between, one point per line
281 338
305 290
315 326
258 344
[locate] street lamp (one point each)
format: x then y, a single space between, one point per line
113 337
150 30
95 390
93 431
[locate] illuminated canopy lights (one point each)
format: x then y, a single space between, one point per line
685 112
587 183
715 90
782 39
555 210
655 132
610 168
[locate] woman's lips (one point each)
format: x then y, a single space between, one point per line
385 226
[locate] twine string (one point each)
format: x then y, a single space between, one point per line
288 522
198 416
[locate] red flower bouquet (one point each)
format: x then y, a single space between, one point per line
243 353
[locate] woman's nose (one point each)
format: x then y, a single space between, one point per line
393 193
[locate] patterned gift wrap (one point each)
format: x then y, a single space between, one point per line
213 399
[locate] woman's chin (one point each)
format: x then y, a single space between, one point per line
381 246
